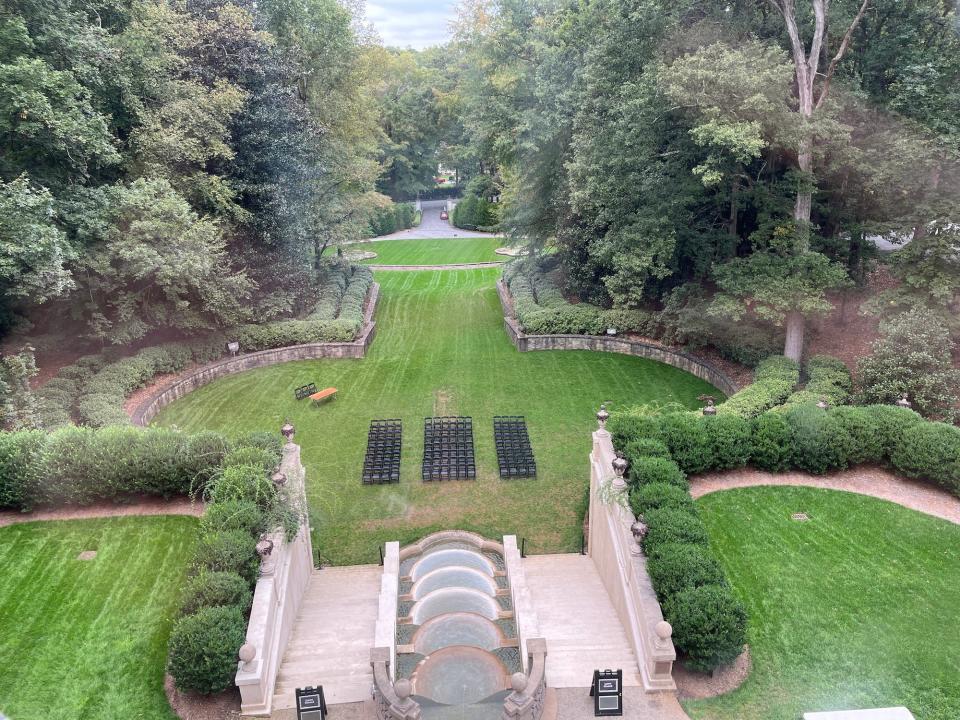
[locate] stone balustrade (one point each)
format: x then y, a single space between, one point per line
392 700
285 571
148 408
623 569
526 700
638 348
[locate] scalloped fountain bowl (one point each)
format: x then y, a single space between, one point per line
460 676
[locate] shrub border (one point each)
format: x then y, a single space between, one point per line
148 408
637 348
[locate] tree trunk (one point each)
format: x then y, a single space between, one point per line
793 346
732 226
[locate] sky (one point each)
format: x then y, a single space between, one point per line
412 23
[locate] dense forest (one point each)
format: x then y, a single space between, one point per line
178 167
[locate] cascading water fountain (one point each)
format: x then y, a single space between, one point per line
456 633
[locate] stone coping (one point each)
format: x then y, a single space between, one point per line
187 382
638 348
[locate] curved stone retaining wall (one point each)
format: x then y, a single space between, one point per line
206 374
638 348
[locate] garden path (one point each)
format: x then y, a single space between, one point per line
145 506
865 480
431 226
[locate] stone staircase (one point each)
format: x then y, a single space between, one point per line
332 636
578 620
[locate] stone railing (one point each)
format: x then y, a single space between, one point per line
676 358
148 408
526 700
524 611
385 633
623 569
285 571
392 700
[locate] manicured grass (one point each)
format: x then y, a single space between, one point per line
88 639
440 251
856 608
440 349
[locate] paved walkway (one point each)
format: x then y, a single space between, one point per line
578 621
431 226
332 636
874 482
147 506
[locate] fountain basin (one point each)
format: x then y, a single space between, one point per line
460 676
467 629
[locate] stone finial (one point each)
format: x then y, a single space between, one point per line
603 416
823 404
518 681
638 529
247 654
265 547
620 465
663 629
403 688
904 402
288 431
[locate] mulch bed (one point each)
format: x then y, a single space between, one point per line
693 685
191 706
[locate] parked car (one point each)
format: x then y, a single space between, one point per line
443 215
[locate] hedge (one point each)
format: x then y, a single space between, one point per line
77 465
644 498
774 381
673 525
709 625
203 648
930 451
645 470
216 589
828 380
675 568
541 308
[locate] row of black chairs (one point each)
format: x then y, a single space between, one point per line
381 464
448 452
448 449
514 453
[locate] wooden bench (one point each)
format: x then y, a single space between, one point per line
323 394
305 391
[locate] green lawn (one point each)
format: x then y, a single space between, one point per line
440 251
440 349
88 639
856 608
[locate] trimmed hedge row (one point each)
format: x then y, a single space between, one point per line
708 621
393 217
802 437
94 388
828 379
541 309
774 381
214 609
79 466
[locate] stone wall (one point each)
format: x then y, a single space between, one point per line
623 569
284 576
638 348
206 374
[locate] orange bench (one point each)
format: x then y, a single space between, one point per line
323 394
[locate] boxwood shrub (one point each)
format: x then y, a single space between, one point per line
228 551
215 589
673 525
770 442
729 438
644 498
861 427
646 470
678 567
204 646
930 451
818 442
709 625
645 447
891 422
774 380
690 444
243 515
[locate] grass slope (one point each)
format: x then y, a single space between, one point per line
440 350
89 636
440 251
856 608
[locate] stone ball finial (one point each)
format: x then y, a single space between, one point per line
603 416
264 547
663 629
904 402
518 681
247 653
620 465
402 688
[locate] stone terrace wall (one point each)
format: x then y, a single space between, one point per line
206 374
638 348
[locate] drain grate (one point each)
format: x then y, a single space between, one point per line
800 517
87 555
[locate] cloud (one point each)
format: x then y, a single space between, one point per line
409 23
